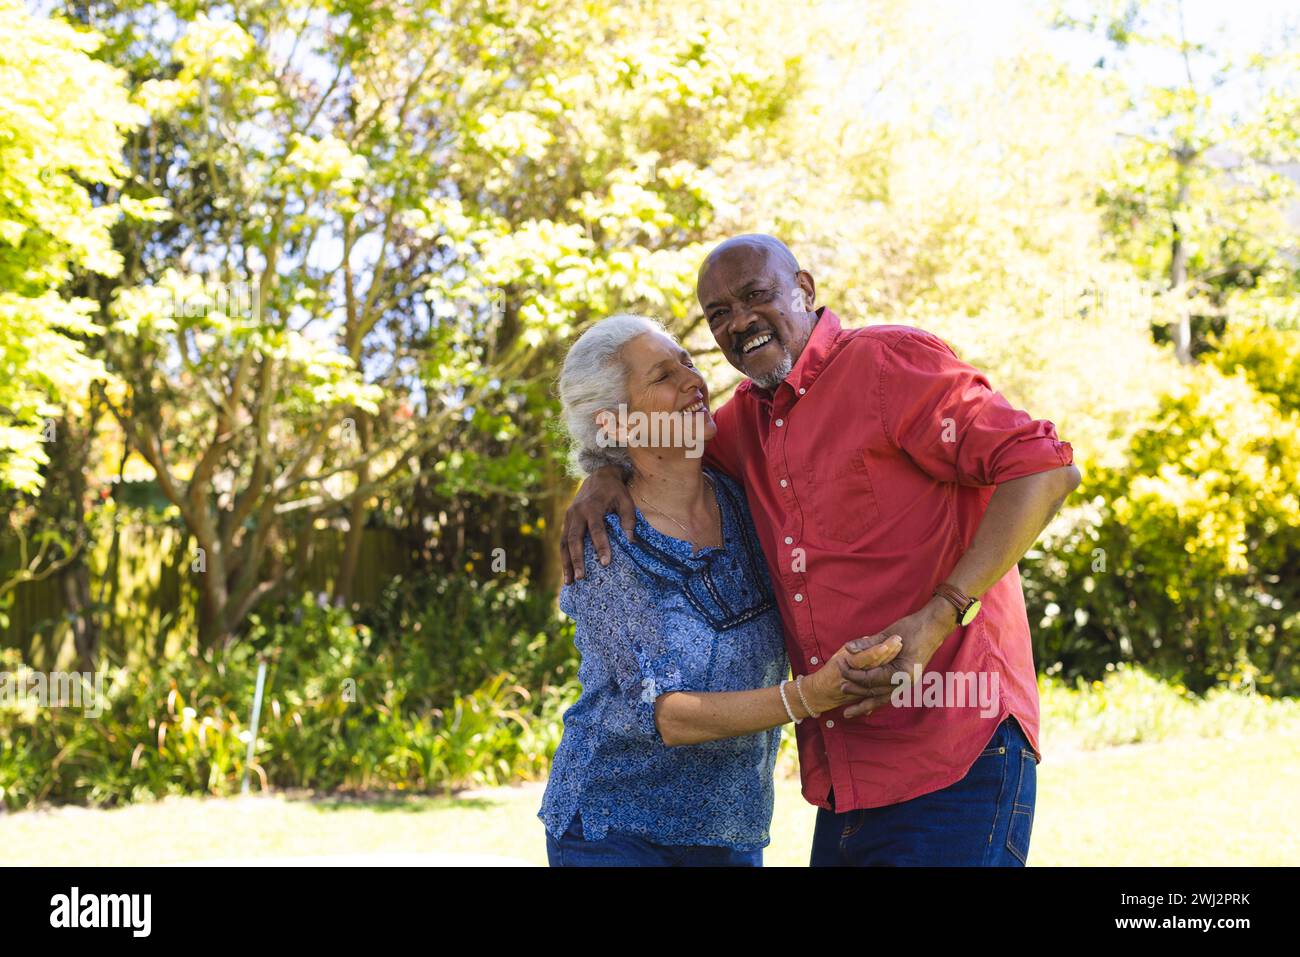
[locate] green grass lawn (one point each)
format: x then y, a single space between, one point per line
1206 801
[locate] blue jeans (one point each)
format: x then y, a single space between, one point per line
630 850
983 820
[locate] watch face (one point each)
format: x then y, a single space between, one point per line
971 612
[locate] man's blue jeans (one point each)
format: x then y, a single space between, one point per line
630 850
982 820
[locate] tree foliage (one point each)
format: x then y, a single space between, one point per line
63 117
382 223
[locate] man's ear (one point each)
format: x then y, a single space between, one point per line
805 282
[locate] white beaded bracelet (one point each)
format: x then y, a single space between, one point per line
798 686
787 703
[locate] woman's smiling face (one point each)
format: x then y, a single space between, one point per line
663 385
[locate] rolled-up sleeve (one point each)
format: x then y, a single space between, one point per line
945 416
615 621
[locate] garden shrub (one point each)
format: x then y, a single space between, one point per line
1187 557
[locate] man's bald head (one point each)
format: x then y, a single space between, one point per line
778 252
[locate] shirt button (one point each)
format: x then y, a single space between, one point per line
798 596
813 660
784 483
780 422
789 540
830 722
802 391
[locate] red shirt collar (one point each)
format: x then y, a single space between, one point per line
815 353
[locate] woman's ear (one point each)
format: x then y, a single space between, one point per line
610 433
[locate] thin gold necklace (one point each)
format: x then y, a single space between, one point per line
713 497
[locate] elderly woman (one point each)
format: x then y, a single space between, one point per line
667 756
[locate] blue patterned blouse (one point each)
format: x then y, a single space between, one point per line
658 619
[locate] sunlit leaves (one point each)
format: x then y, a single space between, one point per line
324 163
212 48
62 119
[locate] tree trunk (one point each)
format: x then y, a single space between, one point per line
74 582
347 573
214 603
1178 264
559 491
65 497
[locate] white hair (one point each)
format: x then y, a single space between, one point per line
595 378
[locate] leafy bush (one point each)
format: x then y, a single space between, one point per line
1268 357
1131 706
457 632
1187 557
344 708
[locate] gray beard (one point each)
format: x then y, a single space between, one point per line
778 374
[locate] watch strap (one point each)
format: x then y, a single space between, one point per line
954 597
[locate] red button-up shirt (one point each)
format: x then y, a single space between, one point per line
868 471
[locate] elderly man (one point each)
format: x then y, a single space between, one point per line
893 492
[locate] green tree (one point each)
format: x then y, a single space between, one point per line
384 223
64 116
62 122
1197 199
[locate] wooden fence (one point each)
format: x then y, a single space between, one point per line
148 594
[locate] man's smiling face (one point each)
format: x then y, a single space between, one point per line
759 306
